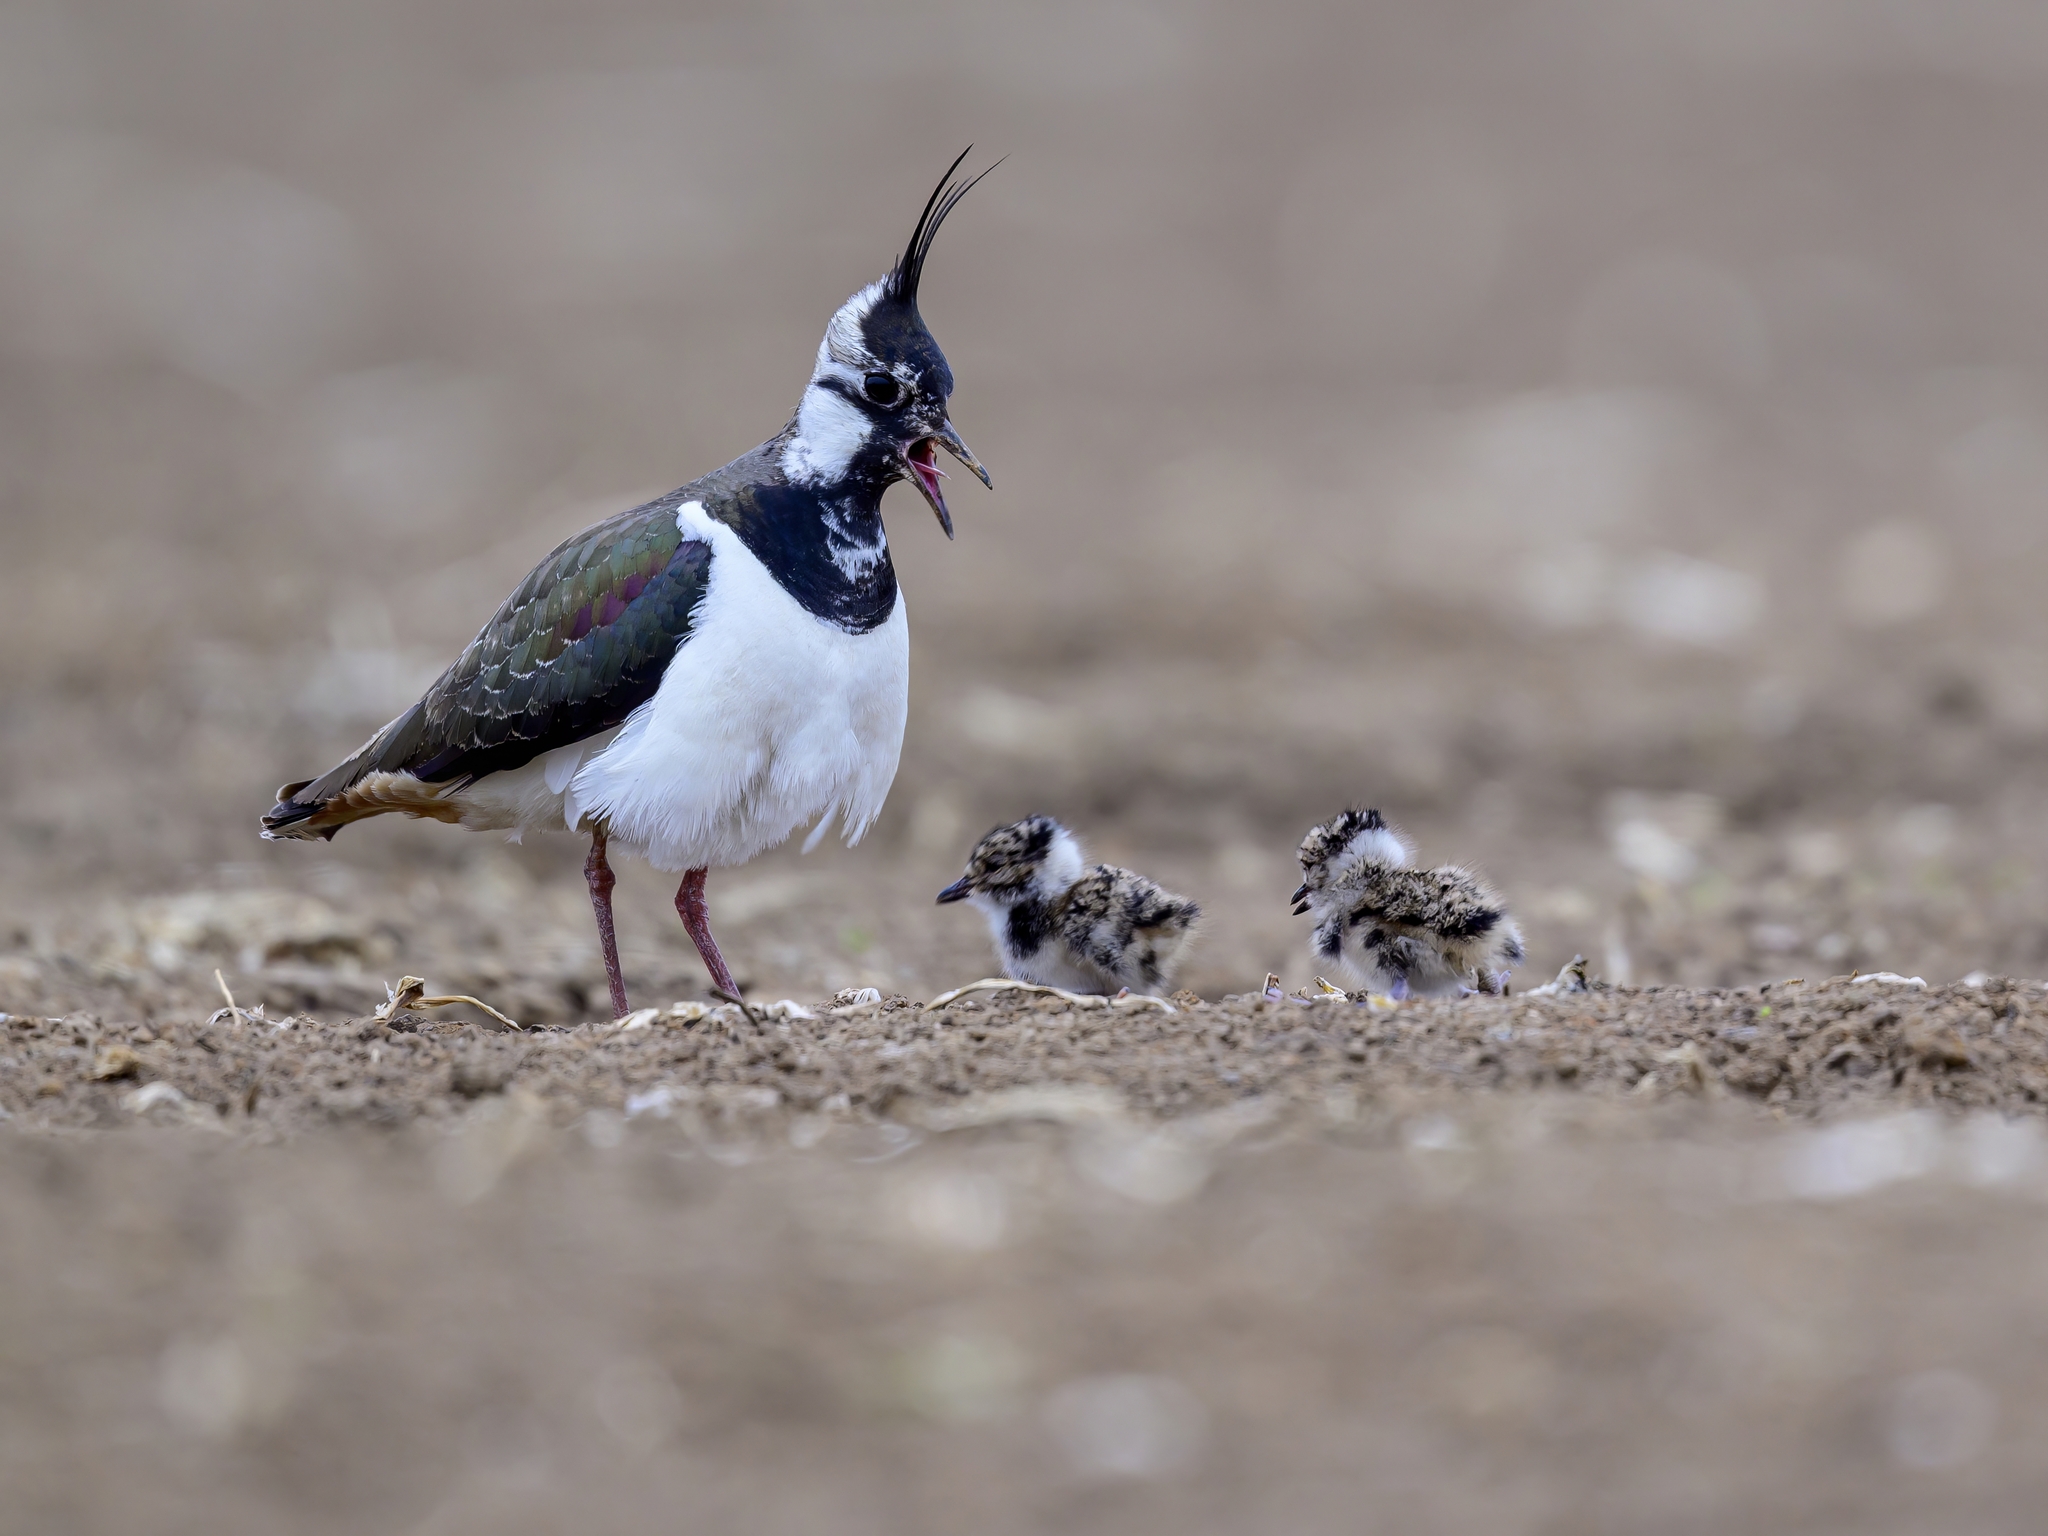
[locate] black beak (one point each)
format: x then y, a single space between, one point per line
949 440
922 458
959 890
1300 898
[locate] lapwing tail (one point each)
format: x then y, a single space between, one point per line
367 784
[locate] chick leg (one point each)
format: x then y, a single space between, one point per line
697 922
599 874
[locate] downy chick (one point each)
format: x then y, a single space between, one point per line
1403 931
1059 924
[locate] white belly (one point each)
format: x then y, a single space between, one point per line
1053 966
767 720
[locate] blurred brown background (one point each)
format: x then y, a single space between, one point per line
1612 437
1609 435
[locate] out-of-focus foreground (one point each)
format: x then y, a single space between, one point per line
1610 437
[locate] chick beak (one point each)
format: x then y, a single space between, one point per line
959 890
1300 898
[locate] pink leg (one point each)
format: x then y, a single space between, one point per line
690 908
599 874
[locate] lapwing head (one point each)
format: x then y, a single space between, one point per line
1033 857
879 392
1340 845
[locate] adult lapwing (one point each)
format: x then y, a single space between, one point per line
1400 930
696 679
1060 924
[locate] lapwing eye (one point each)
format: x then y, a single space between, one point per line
882 389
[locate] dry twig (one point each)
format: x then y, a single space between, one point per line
1080 999
410 993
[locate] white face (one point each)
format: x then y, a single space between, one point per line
830 433
1062 866
879 382
830 429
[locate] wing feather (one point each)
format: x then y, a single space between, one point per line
580 644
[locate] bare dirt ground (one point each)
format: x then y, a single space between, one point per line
1611 439
1534 1264
1797 1049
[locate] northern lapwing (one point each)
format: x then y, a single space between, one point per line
1400 930
1059 924
698 678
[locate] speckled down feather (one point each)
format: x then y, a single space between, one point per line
1060 924
1125 926
1398 930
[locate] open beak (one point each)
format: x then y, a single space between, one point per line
1300 898
957 891
922 457
950 441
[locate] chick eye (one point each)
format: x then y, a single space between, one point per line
882 389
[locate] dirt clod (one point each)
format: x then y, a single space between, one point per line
115 1061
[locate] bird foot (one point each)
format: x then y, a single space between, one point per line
738 1002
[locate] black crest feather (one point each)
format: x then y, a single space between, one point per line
909 269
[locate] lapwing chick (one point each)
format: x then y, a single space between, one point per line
1061 924
1399 930
697 678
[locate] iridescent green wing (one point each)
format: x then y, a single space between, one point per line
579 646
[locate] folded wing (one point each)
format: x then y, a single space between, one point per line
581 644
